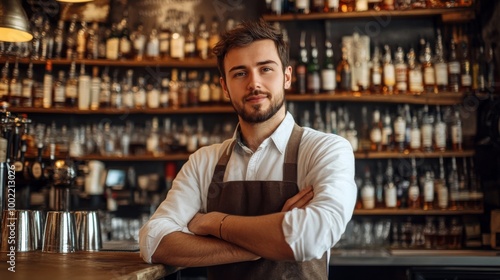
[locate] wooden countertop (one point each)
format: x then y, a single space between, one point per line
81 265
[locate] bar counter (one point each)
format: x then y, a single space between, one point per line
81 265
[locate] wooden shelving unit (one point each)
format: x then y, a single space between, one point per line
415 212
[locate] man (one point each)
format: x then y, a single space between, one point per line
268 203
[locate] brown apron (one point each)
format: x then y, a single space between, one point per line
253 198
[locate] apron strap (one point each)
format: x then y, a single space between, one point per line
292 154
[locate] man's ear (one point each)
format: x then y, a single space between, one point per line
288 77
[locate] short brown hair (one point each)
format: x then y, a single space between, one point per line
246 33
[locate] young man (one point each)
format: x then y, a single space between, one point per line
272 201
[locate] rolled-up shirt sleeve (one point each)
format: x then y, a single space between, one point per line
327 164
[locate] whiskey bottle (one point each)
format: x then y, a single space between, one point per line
401 71
216 94
59 92
213 36
465 69
138 39
390 190
453 69
164 93
352 135
105 95
328 80
364 130
317 6
95 88
174 89
400 132
387 135
388 71
456 133
440 65
116 97
113 43
490 69
153 45
204 89
128 90
454 185
302 6
428 191
84 89
28 91
15 87
47 85
441 187
93 41
376 132
4 83
428 70
71 92
153 96
439 132
368 191
190 40
177 42
376 72
59 39
81 40
47 42
71 37
140 94
344 72
331 6
202 39
301 67
426 130
125 49
416 81
414 201
479 70
313 75
415 142
347 5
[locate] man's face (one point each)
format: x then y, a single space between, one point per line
255 81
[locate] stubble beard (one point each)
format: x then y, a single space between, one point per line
257 114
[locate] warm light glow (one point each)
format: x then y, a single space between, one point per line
14 35
74 1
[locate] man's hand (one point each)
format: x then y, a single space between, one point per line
299 200
205 224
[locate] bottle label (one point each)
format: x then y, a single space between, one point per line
177 48
36 170
376 78
454 67
440 135
399 130
368 197
429 76
313 82
71 91
466 80
112 47
413 193
443 197
47 91
416 82
328 81
376 135
429 191
415 139
456 134
4 90
27 88
386 135
441 70
426 135
59 94
391 197
389 75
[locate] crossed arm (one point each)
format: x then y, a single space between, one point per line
243 238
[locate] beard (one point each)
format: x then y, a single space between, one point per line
256 114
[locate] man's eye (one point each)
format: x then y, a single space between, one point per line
239 74
266 69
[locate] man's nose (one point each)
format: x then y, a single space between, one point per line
254 81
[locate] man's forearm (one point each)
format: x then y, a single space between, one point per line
185 250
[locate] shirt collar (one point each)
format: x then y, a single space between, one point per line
279 137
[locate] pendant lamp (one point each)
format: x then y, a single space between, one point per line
14 23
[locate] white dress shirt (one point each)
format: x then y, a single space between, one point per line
325 161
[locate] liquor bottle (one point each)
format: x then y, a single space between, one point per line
388 71
190 39
153 96
347 5
376 72
71 92
465 69
153 45
204 89
441 187
331 6
376 132
428 70
361 74
415 135
388 5
81 40
429 232
105 95
95 88
216 94
364 130
387 135
374 5
28 88
59 88
426 130
47 43
177 42
183 89
400 132
455 234
479 70
116 97
328 80
37 169
302 6
59 39
139 42
93 41
401 69
439 132
368 191
84 89
113 43
352 135
15 87
416 81
440 65
125 49
344 72
390 191
361 5
428 187
301 67
140 94
202 39
4 83
316 6
71 37
313 75
128 90
164 93
454 184
456 133
174 89
213 36
453 69
47 85
414 201
442 234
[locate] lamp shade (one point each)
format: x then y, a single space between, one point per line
14 24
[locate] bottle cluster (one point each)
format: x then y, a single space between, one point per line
175 38
279 7
407 130
427 186
430 68
78 89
